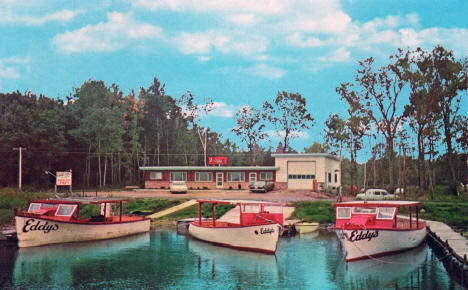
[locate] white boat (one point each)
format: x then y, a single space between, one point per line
52 221
304 227
257 230
371 229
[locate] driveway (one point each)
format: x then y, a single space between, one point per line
275 195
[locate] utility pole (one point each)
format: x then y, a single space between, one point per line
20 149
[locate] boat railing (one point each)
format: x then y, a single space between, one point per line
406 224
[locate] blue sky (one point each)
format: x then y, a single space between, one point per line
238 52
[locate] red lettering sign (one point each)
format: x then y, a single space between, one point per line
217 160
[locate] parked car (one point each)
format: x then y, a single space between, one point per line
261 186
178 187
373 193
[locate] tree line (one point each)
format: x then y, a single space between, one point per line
430 84
104 136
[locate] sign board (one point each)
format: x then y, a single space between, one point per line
217 160
63 178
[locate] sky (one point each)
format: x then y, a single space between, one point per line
238 53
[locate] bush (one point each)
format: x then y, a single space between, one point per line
314 211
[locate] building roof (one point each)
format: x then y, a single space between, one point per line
300 155
210 168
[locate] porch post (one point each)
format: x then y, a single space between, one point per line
417 217
199 213
213 214
410 218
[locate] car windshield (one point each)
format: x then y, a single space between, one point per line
260 183
178 182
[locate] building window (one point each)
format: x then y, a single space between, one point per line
329 177
336 177
203 176
156 175
178 176
235 176
266 175
301 176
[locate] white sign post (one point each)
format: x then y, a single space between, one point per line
63 178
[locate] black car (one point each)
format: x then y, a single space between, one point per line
261 186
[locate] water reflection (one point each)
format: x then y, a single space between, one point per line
72 264
165 259
242 268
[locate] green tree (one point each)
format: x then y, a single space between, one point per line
250 128
381 90
315 148
288 113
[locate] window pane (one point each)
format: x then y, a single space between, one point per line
65 210
178 176
156 175
364 210
343 212
203 176
33 207
386 213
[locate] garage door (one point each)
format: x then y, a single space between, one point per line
301 174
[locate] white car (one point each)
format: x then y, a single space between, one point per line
376 194
178 187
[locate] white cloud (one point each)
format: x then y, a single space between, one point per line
13 67
298 40
204 42
9 16
339 55
221 109
266 7
120 31
266 71
242 19
279 135
257 70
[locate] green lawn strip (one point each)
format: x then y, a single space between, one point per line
10 198
192 211
314 211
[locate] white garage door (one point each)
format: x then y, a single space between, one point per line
301 174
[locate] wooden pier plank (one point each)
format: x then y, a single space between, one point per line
173 209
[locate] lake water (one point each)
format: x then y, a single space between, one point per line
166 259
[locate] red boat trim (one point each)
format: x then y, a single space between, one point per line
382 254
382 229
78 221
234 226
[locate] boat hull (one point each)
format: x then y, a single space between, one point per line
303 228
35 231
364 244
258 238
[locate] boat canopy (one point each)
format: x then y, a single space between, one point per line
79 200
240 202
380 203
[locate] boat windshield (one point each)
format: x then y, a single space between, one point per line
34 207
343 212
250 208
364 210
65 209
385 213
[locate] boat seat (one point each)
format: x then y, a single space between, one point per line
97 218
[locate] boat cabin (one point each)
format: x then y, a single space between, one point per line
250 214
68 209
377 215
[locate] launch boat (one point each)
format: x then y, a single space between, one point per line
257 228
52 221
371 229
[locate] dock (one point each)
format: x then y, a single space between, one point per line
173 209
451 248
